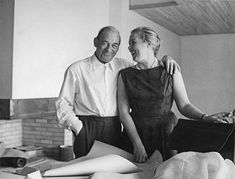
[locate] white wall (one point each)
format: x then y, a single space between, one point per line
208 68
115 18
48 36
130 20
6 45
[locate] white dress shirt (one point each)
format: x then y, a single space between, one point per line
89 88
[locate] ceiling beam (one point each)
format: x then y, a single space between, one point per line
152 5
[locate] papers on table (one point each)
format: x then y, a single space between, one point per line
101 158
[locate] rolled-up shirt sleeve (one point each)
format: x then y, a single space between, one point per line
65 102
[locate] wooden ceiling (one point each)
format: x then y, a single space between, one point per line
189 17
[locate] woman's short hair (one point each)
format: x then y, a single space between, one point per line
149 35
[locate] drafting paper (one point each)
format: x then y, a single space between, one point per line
34 175
147 172
107 163
101 149
5 175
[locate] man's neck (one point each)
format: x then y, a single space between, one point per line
100 60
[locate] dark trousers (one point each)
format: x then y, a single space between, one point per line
104 129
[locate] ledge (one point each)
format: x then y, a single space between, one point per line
26 108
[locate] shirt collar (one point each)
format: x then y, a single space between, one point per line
95 63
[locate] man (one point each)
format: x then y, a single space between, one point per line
87 103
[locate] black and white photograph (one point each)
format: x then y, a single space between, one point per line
117 89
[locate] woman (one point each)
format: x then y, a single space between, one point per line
148 92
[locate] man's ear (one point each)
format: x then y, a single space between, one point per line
95 42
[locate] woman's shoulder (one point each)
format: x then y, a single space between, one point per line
165 75
127 72
128 69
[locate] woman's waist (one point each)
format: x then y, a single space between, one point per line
142 121
152 114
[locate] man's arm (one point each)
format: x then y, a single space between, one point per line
65 104
170 64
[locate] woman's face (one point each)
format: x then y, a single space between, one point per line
137 47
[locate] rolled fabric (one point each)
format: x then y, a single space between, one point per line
194 165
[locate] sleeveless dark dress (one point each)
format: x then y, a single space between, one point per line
150 98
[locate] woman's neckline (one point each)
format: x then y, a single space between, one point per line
154 64
146 69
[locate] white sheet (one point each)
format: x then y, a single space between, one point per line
107 161
101 158
195 165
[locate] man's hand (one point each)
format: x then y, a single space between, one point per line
76 126
170 64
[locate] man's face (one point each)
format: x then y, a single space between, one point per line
107 46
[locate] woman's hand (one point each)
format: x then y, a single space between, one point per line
140 154
222 117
